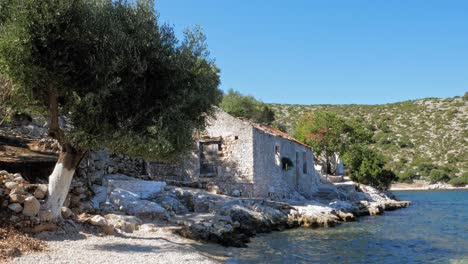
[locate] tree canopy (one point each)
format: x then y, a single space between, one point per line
329 134
247 106
122 78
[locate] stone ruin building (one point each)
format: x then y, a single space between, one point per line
241 158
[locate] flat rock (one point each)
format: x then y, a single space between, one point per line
131 204
144 189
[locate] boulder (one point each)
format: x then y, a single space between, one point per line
130 203
15 207
171 203
31 206
126 223
98 220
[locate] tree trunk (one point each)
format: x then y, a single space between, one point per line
60 179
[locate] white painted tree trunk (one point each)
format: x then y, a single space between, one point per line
59 185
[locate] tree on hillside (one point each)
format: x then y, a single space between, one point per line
124 80
247 106
329 134
368 167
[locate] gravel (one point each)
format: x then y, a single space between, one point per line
161 246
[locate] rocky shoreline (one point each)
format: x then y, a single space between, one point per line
235 221
420 185
122 201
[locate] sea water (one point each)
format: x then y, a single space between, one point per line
434 229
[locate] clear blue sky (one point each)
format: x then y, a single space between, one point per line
330 51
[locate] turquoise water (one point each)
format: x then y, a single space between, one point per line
434 229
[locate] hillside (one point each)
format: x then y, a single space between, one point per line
423 134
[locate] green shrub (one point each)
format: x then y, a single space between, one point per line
438 175
408 176
460 181
368 168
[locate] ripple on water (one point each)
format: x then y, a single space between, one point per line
434 229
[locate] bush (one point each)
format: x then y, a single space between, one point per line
438 175
460 181
367 167
408 176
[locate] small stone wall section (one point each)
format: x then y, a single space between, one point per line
97 164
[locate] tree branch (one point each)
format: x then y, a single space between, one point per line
54 129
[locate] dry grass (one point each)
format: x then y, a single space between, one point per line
14 243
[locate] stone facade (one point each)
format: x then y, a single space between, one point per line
242 158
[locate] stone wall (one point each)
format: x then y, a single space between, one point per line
271 180
97 164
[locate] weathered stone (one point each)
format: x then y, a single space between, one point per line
144 189
126 223
11 185
100 196
39 194
345 216
46 216
79 190
17 198
66 212
131 204
98 220
19 180
15 207
171 203
31 206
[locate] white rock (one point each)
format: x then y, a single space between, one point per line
98 220
131 204
66 212
31 206
15 207
144 189
19 179
125 223
11 185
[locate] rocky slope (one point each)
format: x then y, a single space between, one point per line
411 134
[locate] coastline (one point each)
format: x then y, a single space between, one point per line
424 186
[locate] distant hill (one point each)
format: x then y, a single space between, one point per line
413 134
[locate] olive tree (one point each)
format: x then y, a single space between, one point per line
246 106
122 80
329 134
